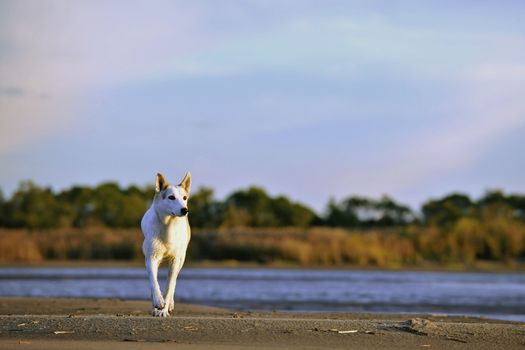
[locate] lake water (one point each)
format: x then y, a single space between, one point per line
485 294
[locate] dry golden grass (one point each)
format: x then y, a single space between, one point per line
326 246
18 246
465 243
76 244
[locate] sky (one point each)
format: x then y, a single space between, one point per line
311 99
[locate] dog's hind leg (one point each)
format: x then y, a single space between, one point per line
152 266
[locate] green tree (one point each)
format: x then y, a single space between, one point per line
108 201
133 207
35 207
359 212
205 211
342 214
446 211
118 208
496 204
2 209
390 213
517 202
288 213
253 205
82 201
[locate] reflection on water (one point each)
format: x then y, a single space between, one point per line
491 295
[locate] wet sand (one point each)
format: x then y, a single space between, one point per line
31 323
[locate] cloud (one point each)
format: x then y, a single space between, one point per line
349 46
372 97
485 110
54 54
509 72
11 91
69 52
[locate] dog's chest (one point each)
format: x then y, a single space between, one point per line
176 237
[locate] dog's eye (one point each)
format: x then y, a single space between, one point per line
172 197
184 197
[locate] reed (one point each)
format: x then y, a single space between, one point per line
466 242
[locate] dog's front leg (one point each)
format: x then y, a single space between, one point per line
175 267
152 266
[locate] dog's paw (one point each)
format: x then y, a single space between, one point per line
171 305
158 301
160 312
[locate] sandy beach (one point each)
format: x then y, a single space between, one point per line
32 323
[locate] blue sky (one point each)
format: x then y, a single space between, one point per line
313 99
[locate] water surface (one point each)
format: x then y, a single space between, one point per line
499 295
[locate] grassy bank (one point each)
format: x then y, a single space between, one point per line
412 247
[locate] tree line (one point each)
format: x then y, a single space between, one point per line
109 205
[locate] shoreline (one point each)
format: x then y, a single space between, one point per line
480 267
126 324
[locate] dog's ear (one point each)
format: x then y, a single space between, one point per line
161 183
186 182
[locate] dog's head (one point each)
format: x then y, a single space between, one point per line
172 200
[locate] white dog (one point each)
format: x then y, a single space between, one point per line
166 236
